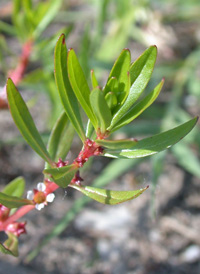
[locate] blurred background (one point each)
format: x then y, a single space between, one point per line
158 232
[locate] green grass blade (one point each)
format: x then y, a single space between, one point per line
7 28
64 88
187 159
49 16
24 121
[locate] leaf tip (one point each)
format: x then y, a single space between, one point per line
62 36
126 49
8 80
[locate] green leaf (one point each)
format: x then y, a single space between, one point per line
61 138
93 79
79 85
154 144
123 95
89 129
24 121
110 197
13 201
5 250
62 175
15 187
64 88
111 86
187 158
100 109
7 28
117 144
136 110
119 71
140 74
111 100
48 17
114 169
11 244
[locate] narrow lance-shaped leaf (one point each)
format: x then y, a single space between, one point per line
154 144
61 138
110 197
111 86
62 175
80 85
13 201
111 100
5 250
125 93
93 79
49 16
114 169
119 70
100 109
136 110
89 129
15 187
24 121
64 88
11 244
140 74
117 144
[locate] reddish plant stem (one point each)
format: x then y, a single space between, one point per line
90 149
18 73
50 187
18 214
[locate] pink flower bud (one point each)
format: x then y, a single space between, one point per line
16 228
4 213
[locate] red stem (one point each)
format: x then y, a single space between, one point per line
18 214
18 73
90 149
51 187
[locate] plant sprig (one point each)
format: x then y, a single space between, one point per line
107 110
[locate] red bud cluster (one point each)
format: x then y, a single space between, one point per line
90 149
